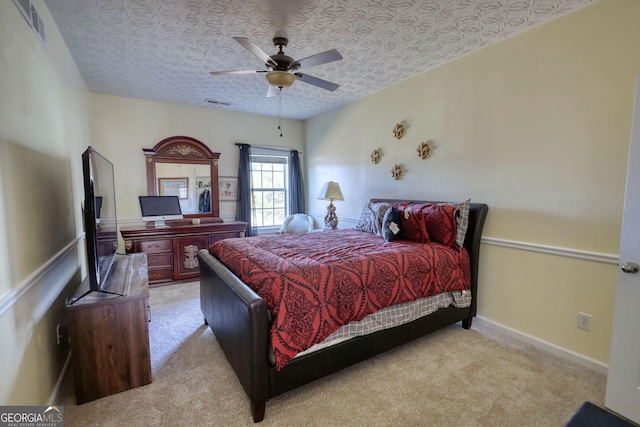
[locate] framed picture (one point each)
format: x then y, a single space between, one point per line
174 187
228 188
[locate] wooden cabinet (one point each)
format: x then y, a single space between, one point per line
109 333
172 250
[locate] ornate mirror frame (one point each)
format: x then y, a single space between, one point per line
185 150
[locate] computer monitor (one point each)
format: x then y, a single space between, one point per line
160 209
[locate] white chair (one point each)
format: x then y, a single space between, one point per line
296 224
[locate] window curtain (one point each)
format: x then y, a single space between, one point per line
296 185
244 189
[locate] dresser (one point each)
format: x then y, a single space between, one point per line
172 251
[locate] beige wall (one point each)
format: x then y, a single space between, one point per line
538 127
121 127
43 130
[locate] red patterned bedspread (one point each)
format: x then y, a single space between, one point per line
316 282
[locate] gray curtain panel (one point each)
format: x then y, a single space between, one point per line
244 189
296 185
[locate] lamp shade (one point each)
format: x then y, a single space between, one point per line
280 79
330 191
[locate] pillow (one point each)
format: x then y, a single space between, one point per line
391 224
371 217
412 222
462 219
441 223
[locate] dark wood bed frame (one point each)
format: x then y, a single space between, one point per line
238 317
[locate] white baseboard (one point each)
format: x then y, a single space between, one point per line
548 347
55 395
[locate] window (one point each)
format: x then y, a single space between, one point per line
269 189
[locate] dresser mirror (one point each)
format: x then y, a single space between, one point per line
185 167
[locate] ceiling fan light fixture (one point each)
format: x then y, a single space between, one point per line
280 79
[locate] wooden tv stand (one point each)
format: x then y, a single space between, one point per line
110 333
172 250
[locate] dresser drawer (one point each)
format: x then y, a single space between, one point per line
155 260
160 275
154 246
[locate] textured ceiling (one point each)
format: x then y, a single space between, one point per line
163 50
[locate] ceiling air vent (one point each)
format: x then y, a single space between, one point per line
30 13
211 101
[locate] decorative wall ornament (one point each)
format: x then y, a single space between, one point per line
396 171
423 150
398 130
375 156
184 150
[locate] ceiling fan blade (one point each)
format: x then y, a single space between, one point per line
323 84
273 91
227 73
319 59
250 46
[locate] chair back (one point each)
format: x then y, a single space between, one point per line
296 224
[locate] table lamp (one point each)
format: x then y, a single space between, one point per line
331 191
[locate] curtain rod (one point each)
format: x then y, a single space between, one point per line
269 148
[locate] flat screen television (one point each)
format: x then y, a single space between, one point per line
160 209
100 222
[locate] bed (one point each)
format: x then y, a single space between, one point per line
262 343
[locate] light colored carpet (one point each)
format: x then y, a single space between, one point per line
453 377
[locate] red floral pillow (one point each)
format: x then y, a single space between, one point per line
440 221
412 222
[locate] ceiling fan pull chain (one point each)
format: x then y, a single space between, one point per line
280 110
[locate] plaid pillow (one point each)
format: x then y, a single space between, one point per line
371 217
462 220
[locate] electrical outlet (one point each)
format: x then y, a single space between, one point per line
584 321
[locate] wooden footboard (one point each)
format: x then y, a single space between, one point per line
239 320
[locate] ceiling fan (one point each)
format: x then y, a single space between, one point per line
282 70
